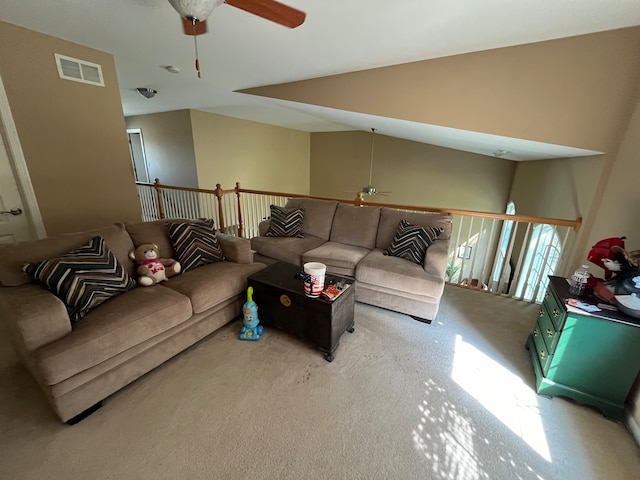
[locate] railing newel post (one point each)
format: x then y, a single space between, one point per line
158 186
219 193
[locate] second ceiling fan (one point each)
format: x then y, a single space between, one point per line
369 189
194 14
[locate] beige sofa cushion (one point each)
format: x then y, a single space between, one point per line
390 218
119 242
355 226
119 324
318 215
285 249
210 285
397 273
235 249
339 258
152 232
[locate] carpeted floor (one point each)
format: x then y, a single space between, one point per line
402 400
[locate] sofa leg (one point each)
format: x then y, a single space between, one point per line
423 320
82 415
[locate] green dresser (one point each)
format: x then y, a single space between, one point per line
592 358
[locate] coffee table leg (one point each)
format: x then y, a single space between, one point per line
328 355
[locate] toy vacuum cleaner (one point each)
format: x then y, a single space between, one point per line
250 328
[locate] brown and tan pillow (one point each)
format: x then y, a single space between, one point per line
195 243
286 222
412 241
83 278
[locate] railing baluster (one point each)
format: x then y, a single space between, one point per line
505 263
488 245
525 283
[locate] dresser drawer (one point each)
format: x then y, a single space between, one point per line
544 357
556 309
548 330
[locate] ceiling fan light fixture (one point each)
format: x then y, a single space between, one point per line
147 92
195 9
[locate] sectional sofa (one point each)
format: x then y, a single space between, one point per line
79 363
353 241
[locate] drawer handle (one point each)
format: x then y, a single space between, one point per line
556 312
541 314
535 332
547 294
543 354
550 333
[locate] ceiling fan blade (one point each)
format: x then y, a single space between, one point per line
189 28
271 10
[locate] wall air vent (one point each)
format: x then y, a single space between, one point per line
79 70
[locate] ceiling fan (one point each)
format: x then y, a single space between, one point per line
194 15
369 189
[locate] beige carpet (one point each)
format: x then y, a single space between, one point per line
402 400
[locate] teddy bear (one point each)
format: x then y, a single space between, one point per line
151 268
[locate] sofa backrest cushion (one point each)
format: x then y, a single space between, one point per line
355 226
152 232
119 242
14 256
390 219
318 215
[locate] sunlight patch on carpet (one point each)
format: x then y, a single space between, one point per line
502 393
445 437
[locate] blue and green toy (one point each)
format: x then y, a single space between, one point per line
250 328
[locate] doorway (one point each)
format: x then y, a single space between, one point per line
138 157
20 218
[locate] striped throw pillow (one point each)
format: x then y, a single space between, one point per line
286 222
83 278
411 241
195 243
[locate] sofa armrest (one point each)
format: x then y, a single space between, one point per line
435 261
33 315
263 227
235 249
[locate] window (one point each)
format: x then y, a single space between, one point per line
541 259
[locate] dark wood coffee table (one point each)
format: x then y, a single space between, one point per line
282 303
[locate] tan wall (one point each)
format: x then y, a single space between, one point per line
168 144
415 173
572 91
259 156
558 188
619 209
72 134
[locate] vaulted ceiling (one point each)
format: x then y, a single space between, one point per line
241 51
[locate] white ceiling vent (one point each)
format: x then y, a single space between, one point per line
79 70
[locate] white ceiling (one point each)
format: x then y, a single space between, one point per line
242 51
